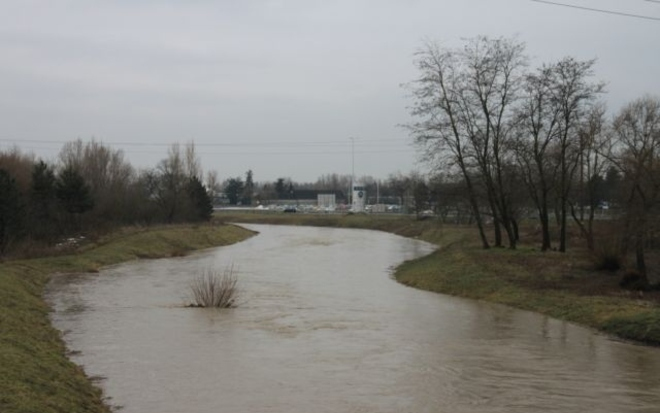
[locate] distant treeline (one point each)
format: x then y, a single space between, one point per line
93 189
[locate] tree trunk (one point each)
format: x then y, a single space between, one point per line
516 229
639 254
546 243
562 224
498 231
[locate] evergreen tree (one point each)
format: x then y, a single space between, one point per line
202 206
73 193
234 189
42 207
12 211
280 188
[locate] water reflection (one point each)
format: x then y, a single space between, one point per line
322 328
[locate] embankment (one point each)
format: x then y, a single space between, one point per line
35 373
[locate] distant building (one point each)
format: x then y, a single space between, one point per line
327 202
311 197
359 197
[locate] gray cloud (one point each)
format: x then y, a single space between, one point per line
269 73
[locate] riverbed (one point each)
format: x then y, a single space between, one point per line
321 326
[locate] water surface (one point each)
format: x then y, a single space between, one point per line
322 327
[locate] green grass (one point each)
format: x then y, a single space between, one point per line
35 374
562 286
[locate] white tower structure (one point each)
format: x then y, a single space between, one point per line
358 191
359 197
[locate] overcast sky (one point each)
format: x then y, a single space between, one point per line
275 86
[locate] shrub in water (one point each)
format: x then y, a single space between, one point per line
214 289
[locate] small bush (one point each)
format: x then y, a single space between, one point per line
608 256
178 252
214 289
643 326
634 281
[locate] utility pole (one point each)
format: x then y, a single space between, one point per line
352 157
352 167
377 192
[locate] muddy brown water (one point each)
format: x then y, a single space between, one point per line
322 327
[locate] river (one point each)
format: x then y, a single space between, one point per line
321 326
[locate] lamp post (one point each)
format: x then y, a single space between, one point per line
352 167
352 158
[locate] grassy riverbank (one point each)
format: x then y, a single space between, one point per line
35 374
563 286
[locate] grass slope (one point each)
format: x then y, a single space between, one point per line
35 374
559 285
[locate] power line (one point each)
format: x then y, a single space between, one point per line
254 153
197 144
318 151
617 13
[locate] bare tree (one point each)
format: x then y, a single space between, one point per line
557 97
465 98
637 134
447 196
107 173
193 165
333 182
19 166
592 165
441 134
571 92
419 194
168 184
493 78
538 129
400 185
213 184
248 189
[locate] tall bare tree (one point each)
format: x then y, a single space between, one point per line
592 165
538 129
168 184
571 91
637 134
440 133
495 68
465 99
106 172
556 99
193 164
213 184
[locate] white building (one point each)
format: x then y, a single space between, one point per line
359 197
327 202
